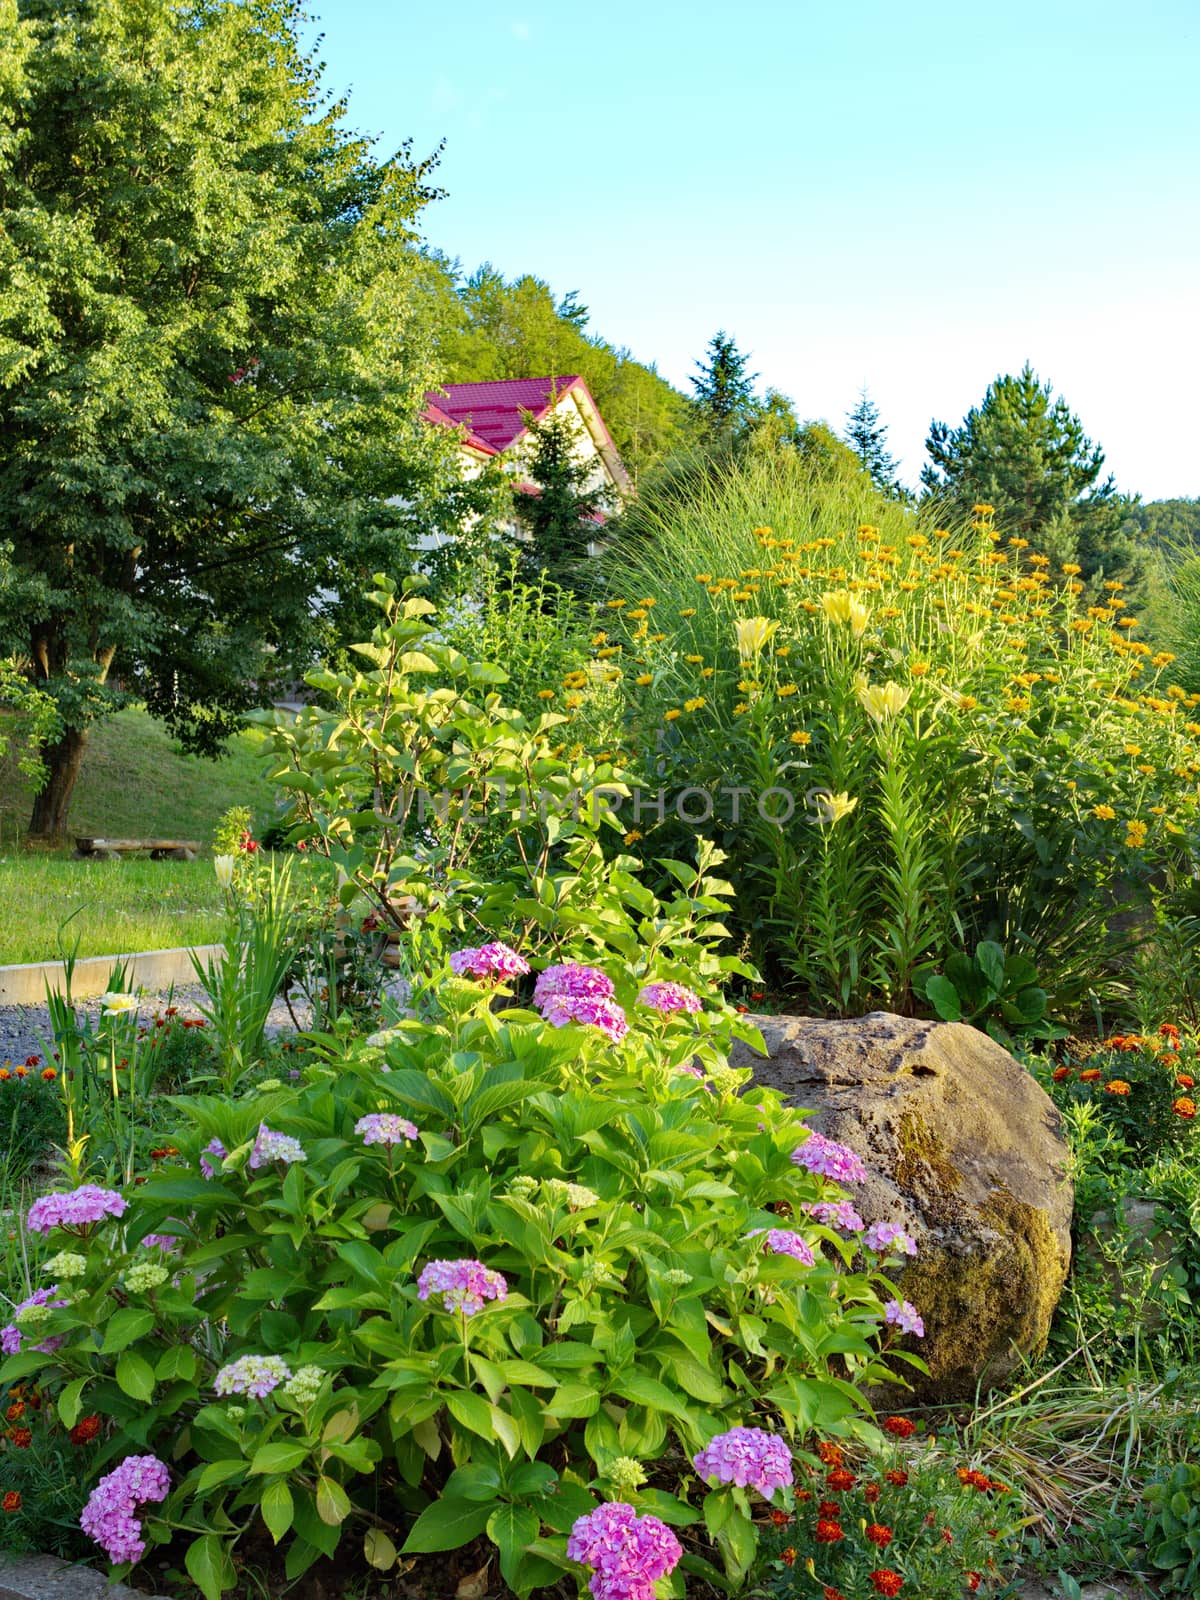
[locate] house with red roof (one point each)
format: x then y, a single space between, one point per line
495 419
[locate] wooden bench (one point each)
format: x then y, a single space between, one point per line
157 849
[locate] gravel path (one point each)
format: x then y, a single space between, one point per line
25 1030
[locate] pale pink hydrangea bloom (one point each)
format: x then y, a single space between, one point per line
903 1314
748 1457
606 1015
108 1518
463 1285
573 979
839 1214
271 1146
254 1376
669 998
883 1237
381 1127
75 1211
488 961
828 1159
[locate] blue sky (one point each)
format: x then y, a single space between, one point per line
912 196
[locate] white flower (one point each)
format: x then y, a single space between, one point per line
115 1004
223 867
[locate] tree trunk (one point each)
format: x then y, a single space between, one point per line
63 760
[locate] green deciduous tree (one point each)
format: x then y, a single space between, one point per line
1025 452
559 511
210 367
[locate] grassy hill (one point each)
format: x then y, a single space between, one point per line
135 782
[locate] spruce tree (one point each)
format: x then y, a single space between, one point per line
557 508
723 389
867 437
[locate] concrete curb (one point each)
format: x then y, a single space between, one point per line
48 1578
153 970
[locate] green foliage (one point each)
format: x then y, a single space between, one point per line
940 743
614 1193
1172 1531
204 278
559 517
723 389
31 1116
232 830
990 989
943 1530
1025 454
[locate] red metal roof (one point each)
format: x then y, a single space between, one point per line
495 412
434 412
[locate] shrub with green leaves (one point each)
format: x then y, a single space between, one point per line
300 1351
1173 1527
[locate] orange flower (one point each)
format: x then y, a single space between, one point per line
830 1454
1184 1081
788 1556
11 1501
901 1427
781 1518
829 1532
85 1430
1185 1108
1060 1073
840 1480
897 1476
1090 1075
22 1438
49 1074
886 1581
878 1534
1117 1086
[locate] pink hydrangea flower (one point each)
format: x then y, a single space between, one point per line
748 1457
254 1376
217 1150
488 961
271 1146
606 1015
883 1237
903 1314
10 1337
463 1285
783 1242
574 980
108 1518
839 1214
828 1159
381 1127
626 1553
669 998
75 1211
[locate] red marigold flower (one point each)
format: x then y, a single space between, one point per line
22 1438
15 1411
878 1534
1060 1073
897 1475
85 1430
49 1074
1116 1086
802 1495
840 1479
832 1594
11 1501
1185 1108
829 1532
886 1581
830 1454
33 1061
4 1073
788 1556
781 1518
1183 1081
829 1508
974 1579
20 1072
1170 1058
163 1151
1169 1030
998 1487
902 1427
871 1493
1090 1075
947 1536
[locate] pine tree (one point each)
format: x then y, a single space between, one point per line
867 437
723 389
1025 453
559 510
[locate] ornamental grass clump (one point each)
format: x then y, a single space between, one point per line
562 1314
907 737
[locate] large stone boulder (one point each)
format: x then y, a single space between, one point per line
963 1149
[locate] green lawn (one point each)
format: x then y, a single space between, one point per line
135 783
47 900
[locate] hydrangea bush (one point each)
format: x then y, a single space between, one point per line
505 1273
